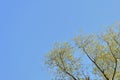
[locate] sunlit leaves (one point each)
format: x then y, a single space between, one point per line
102 50
62 58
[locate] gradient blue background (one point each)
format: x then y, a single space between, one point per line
28 29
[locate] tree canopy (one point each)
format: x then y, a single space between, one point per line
102 52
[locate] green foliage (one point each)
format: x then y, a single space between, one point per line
102 50
62 59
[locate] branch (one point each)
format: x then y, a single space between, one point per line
86 77
64 68
66 72
102 71
115 68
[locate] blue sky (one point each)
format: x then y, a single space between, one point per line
28 29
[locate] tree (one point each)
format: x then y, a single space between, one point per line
102 51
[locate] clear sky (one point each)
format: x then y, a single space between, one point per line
28 29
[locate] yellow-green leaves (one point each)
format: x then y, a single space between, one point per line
62 58
102 50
